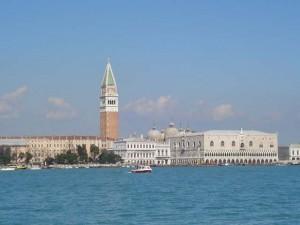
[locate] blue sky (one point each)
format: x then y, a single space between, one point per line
201 64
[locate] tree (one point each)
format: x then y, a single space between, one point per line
109 157
82 153
72 158
94 151
28 157
66 158
49 161
21 156
14 157
5 155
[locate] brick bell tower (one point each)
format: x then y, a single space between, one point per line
109 106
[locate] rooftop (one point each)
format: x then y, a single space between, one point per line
225 132
235 132
108 78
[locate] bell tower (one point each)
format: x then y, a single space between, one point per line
109 106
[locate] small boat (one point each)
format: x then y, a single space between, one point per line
224 164
142 169
22 167
8 169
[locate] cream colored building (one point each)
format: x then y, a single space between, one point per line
141 151
42 147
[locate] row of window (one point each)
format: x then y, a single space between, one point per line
295 158
140 155
148 155
293 152
241 154
148 162
140 146
42 154
212 144
162 153
182 144
239 161
111 102
56 145
242 145
222 161
49 145
141 162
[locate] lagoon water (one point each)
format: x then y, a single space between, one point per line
208 195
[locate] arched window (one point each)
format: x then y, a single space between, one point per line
250 143
242 145
199 143
212 144
233 143
222 143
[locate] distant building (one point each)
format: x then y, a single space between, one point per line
218 146
294 151
141 151
42 147
109 110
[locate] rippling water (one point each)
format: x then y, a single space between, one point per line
214 195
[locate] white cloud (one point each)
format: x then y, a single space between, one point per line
10 102
148 106
60 109
222 112
59 102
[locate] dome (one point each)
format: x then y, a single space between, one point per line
154 134
171 131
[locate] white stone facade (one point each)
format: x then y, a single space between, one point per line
140 151
222 147
294 152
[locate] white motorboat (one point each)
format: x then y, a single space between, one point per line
8 169
142 169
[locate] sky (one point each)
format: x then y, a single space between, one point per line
200 64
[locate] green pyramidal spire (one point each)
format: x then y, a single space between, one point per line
108 78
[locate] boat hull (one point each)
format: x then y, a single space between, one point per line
141 171
7 169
